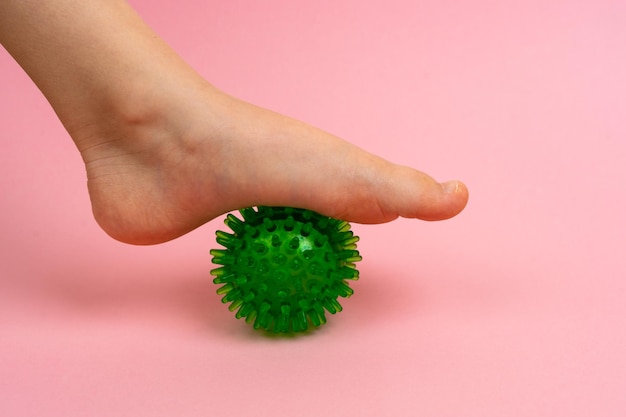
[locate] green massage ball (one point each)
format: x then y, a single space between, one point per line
283 268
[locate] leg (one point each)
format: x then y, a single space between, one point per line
165 151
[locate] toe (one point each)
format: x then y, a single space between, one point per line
398 191
417 195
435 201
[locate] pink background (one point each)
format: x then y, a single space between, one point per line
515 308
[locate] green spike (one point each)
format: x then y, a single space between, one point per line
322 222
289 224
306 229
321 240
235 304
270 226
253 232
234 223
225 289
350 241
344 290
249 214
259 248
294 243
225 239
343 226
349 272
251 318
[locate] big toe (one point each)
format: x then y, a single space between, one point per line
414 194
398 191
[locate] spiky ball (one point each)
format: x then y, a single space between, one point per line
283 268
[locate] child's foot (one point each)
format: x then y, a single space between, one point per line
157 174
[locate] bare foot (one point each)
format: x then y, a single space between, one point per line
166 152
157 175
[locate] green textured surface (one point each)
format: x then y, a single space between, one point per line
283 268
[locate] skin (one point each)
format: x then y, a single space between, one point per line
165 151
